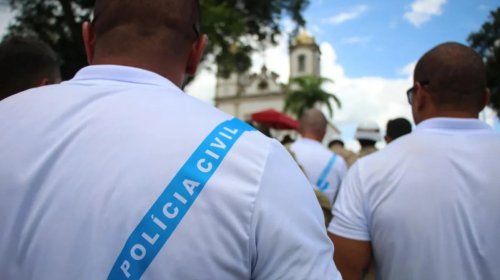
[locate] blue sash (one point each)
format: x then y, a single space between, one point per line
154 230
322 183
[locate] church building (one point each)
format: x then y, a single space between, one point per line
244 94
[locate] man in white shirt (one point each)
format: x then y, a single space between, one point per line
118 174
323 168
426 207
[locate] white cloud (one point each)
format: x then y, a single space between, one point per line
364 98
356 40
422 11
483 7
316 29
408 70
276 59
346 16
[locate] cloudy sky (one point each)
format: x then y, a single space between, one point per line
369 49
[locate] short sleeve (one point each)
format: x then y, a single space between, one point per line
349 216
340 170
342 167
288 236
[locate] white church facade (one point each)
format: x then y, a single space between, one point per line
243 94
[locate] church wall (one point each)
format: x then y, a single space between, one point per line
252 106
227 87
254 89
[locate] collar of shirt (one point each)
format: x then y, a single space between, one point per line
120 73
453 124
309 141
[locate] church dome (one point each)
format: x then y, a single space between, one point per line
304 38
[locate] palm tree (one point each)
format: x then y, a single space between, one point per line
307 94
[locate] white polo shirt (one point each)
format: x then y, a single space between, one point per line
82 163
323 168
429 203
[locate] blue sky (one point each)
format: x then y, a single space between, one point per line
375 37
369 49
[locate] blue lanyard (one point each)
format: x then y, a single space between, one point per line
322 183
164 216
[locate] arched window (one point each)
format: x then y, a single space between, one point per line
302 63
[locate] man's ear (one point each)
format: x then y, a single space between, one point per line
42 82
195 54
421 97
89 40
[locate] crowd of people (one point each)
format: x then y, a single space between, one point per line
118 174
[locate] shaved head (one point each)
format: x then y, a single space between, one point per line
456 76
313 123
121 25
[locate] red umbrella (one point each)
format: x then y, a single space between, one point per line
275 119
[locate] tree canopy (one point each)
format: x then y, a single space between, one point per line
306 92
487 43
236 28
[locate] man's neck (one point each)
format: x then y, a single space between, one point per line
311 136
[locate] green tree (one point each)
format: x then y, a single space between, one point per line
57 23
305 92
236 28
487 43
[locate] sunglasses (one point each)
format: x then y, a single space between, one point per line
411 91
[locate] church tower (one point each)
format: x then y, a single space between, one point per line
305 56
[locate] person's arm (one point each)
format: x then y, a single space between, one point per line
352 257
287 236
349 230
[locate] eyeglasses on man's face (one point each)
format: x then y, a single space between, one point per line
196 29
411 91
196 25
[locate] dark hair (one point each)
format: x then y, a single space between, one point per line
24 62
456 76
367 143
397 128
287 139
336 141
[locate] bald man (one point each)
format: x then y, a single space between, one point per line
323 168
118 174
426 206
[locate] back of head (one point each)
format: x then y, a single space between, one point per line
26 63
287 139
397 128
456 77
368 133
125 27
313 124
336 143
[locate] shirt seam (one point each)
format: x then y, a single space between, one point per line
251 234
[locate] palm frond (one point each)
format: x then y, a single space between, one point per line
305 92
